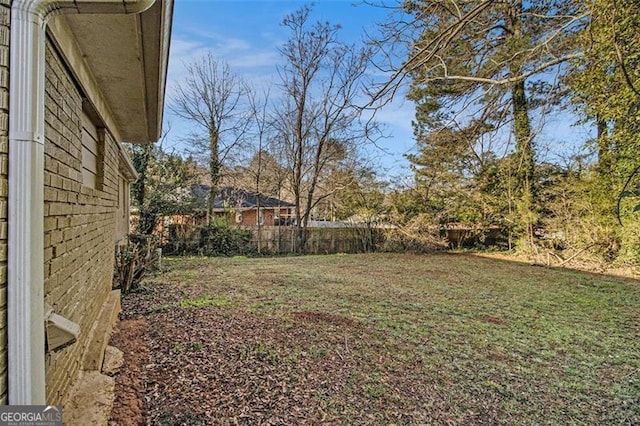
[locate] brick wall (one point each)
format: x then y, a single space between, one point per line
249 217
5 14
79 223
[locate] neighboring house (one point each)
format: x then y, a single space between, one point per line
77 78
244 208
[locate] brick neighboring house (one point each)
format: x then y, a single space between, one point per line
241 208
77 78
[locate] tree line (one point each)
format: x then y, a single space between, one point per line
487 80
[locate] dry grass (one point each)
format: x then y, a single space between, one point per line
387 338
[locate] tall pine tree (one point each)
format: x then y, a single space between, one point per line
488 69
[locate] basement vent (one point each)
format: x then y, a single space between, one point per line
60 332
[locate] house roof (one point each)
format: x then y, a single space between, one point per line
127 55
230 197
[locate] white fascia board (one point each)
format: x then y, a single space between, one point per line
126 165
165 37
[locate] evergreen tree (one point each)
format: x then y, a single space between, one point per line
484 70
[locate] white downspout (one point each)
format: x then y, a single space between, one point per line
25 256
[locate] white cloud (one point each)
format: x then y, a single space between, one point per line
244 58
182 52
255 59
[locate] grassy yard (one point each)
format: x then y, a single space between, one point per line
388 339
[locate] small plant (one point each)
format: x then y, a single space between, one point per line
265 353
375 390
317 352
373 386
261 352
159 308
134 260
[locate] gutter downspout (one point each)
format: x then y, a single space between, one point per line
25 256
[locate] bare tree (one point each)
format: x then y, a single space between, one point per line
213 98
318 121
261 132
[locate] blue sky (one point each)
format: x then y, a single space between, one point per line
247 34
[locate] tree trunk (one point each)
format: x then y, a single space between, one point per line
604 157
522 129
298 218
301 240
258 174
524 146
525 162
146 219
214 173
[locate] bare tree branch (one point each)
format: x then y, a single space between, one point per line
212 98
318 120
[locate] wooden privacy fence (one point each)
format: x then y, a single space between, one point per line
285 240
188 239
193 239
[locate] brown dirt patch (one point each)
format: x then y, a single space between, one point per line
220 366
128 409
492 320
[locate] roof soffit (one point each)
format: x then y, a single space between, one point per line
127 56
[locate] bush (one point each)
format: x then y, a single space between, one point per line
213 240
133 260
182 239
418 236
222 240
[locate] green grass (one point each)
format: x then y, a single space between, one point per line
503 341
203 301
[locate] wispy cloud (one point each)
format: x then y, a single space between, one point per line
244 58
253 60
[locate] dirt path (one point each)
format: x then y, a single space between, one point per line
130 383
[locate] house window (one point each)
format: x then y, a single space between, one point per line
92 157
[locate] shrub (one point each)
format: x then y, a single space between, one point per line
222 240
213 240
133 260
418 236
